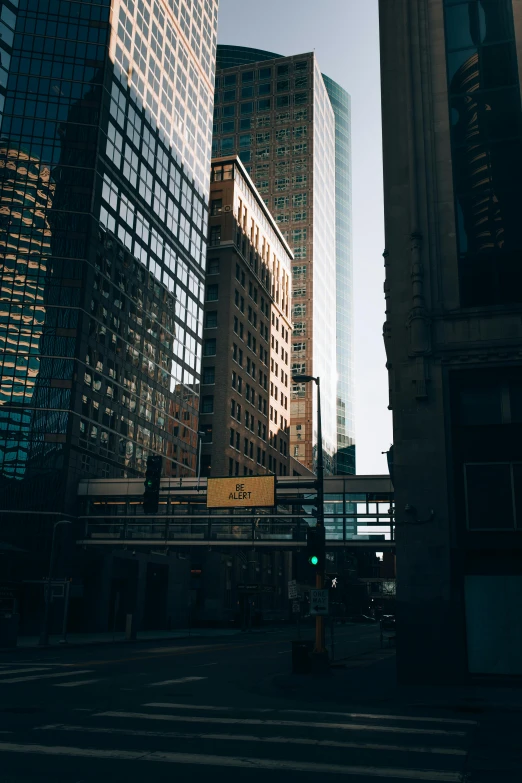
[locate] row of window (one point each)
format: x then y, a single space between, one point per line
249 91
233 467
262 104
266 72
237 385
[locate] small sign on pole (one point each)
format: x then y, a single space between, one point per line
296 607
292 589
319 602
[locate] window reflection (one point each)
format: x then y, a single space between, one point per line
486 135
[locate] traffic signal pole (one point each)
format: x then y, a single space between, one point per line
319 579
320 664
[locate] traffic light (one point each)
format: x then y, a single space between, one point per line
315 547
152 484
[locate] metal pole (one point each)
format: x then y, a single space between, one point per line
319 581
44 636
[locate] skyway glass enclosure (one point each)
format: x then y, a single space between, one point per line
358 511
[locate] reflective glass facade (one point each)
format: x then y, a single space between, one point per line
103 216
486 140
277 117
341 104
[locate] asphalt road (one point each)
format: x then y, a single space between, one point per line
204 709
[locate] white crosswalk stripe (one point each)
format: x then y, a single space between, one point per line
255 738
357 745
177 682
234 761
33 677
74 683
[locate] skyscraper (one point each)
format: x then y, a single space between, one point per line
452 141
245 386
233 56
104 173
276 115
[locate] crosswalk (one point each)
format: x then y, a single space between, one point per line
14 673
357 745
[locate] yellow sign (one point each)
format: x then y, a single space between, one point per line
241 492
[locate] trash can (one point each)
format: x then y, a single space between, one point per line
9 629
301 661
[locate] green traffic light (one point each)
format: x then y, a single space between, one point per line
314 560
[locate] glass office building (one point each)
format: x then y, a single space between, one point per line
341 104
234 56
106 129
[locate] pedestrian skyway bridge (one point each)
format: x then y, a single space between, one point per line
358 512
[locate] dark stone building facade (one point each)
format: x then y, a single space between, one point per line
452 136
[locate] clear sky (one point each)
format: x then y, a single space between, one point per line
345 37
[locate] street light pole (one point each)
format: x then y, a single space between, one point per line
44 637
319 649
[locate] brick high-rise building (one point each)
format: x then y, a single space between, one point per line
277 117
233 56
245 381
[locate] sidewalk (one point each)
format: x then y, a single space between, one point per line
82 639
368 682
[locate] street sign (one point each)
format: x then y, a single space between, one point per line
246 492
296 608
292 589
318 601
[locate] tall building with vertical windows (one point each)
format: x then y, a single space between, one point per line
452 142
105 143
245 384
275 114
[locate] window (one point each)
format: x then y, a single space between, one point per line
230 80
247 76
209 347
216 205
209 375
247 107
215 235
264 104
212 292
229 95
213 266
207 404
229 126
211 319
